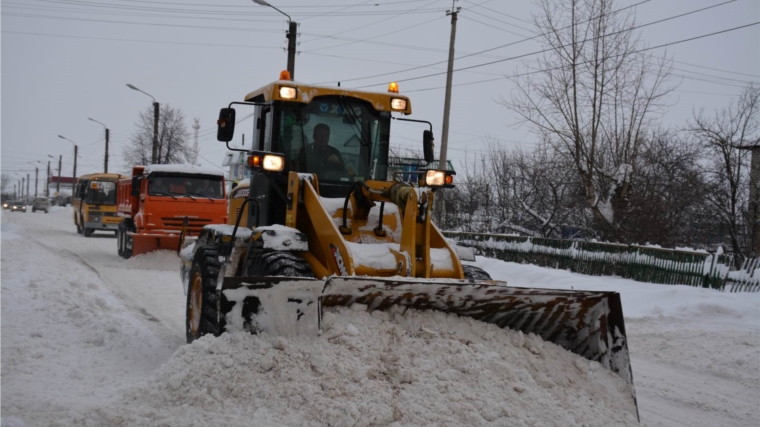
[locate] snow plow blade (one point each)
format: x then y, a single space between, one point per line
587 323
145 243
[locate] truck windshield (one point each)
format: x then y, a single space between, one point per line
177 185
101 193
338 138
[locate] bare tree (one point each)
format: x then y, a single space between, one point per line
536 189
172 138
727 135
666 204
592 98
5 181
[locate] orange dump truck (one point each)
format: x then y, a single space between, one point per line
158 201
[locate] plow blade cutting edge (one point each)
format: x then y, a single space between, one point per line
587 323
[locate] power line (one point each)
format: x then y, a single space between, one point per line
139 41
476 53
637 51
717 69
556 47
369 25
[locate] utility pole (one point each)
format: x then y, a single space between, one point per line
449 74
291 36
36 180
105 162
58 184
75 161
47 182
196 127
292 32
154 156
22 188
27 188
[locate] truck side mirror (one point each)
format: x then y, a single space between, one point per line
135 186
225 125
428 145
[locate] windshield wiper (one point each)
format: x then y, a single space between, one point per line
182 194
198 194
161 193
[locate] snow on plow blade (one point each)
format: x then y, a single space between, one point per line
587 323
145 243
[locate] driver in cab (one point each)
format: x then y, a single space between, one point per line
322 157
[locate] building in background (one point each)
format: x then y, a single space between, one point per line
67 186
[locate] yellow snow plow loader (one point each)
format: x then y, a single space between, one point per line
324 222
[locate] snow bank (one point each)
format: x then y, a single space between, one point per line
639 299
379 368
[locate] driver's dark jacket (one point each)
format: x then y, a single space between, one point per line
316 159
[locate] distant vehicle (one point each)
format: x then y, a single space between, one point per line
18 206
94 203
6 205
41 204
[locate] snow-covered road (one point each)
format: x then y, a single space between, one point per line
81 326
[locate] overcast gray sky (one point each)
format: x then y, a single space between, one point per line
66 60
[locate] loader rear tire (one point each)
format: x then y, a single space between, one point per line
279 263
202 312
475 273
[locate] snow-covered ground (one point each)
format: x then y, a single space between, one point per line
91 339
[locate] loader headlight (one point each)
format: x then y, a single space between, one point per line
274 163
398 104
287 92
270 162
437 178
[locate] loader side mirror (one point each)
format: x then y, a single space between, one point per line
135 186
428 145
225 125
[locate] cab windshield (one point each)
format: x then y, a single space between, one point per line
338 138
101 193
183 185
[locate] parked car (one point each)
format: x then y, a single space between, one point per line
41 204
18 206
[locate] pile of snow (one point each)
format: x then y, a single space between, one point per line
375 368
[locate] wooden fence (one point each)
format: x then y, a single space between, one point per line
641 263
746 279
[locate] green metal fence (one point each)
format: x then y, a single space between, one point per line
641 263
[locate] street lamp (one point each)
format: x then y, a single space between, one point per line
154 155
105 162
291 36
76 150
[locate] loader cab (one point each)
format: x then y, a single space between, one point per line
340 135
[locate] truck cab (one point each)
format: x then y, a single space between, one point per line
161 202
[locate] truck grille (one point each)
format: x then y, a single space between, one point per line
194 225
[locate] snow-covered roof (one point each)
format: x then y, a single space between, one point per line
188 169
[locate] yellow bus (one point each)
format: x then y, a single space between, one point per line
94 202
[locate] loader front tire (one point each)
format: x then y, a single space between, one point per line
475 273
202 313
278 263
